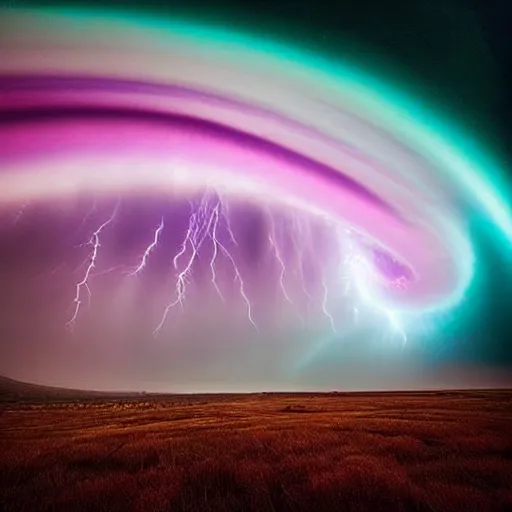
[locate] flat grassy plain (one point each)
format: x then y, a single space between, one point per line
428 451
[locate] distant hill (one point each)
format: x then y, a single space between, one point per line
15 391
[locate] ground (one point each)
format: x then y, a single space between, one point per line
432 451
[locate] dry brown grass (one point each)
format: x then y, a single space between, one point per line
260 453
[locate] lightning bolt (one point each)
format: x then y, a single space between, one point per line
224 211
277 253
325 299
149 249
221 209
185 242
92 210
238 277
84 283
181 280
204 224
215 251
298 231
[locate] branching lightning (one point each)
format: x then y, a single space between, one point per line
203 224
240 280
215 251
183 275
298 235
272 238
84 283
149 249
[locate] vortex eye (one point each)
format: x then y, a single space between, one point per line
394 272
379 268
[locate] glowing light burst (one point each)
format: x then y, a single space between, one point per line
254 121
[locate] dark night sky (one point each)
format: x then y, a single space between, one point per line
454 52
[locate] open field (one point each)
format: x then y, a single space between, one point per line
432 451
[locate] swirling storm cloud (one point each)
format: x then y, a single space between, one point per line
191 208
